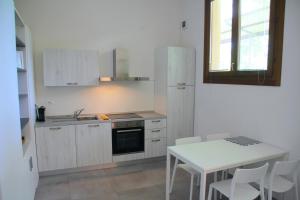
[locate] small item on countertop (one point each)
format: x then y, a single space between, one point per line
104 117
40 113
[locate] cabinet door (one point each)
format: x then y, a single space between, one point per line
70 67
106 142
190 66
181 66
88 68
155 147
180 120
56 148
155 123
188 112
89 143
156 133
93 144
174 114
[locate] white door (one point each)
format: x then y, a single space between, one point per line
106 142
70 67
174 114
89 143
181 66
93 144
188 112
190 66
155 147
88 68
180 120
56 148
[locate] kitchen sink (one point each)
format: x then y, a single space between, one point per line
86 118
63 120
62 117
70 118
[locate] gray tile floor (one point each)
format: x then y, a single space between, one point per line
144 181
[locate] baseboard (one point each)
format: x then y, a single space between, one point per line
99 167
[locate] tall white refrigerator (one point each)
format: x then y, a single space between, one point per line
175 90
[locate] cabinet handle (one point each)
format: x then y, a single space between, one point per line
181 88
130 130
93 126
181 84
54 128
155 121
69 83
155 131
75 83
158 140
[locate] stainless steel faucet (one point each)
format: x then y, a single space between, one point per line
77 113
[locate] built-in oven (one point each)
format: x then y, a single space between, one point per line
128 137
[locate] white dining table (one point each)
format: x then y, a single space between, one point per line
213 156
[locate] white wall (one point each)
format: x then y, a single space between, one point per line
12 169
139 25
271 114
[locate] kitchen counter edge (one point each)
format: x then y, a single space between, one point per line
146 115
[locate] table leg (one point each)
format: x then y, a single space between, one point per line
215 180
168 176
202 195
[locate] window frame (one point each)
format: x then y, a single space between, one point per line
270 77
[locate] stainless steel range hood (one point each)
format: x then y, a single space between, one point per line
121 67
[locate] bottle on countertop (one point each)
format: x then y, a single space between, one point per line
40 113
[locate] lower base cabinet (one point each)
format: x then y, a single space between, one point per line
65 147
155 138
155 147
56 148
93 144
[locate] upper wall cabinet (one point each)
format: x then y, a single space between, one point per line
181 66
70 67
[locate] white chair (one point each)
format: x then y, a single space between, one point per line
283 178
217 136
238 188
183 166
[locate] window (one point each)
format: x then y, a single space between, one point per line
243 41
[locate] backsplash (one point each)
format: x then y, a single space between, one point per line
108 97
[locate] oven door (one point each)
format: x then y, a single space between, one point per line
128 140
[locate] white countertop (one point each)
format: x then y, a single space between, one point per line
144 114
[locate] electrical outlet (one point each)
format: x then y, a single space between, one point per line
184 25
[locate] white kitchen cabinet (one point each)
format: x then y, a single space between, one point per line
155 137
156 133
70 67
94 144
180 121
155 147
181 66
155 123
56 148
174 90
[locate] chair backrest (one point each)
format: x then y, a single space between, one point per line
218 136
256 175
188 140
250 175
285 168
